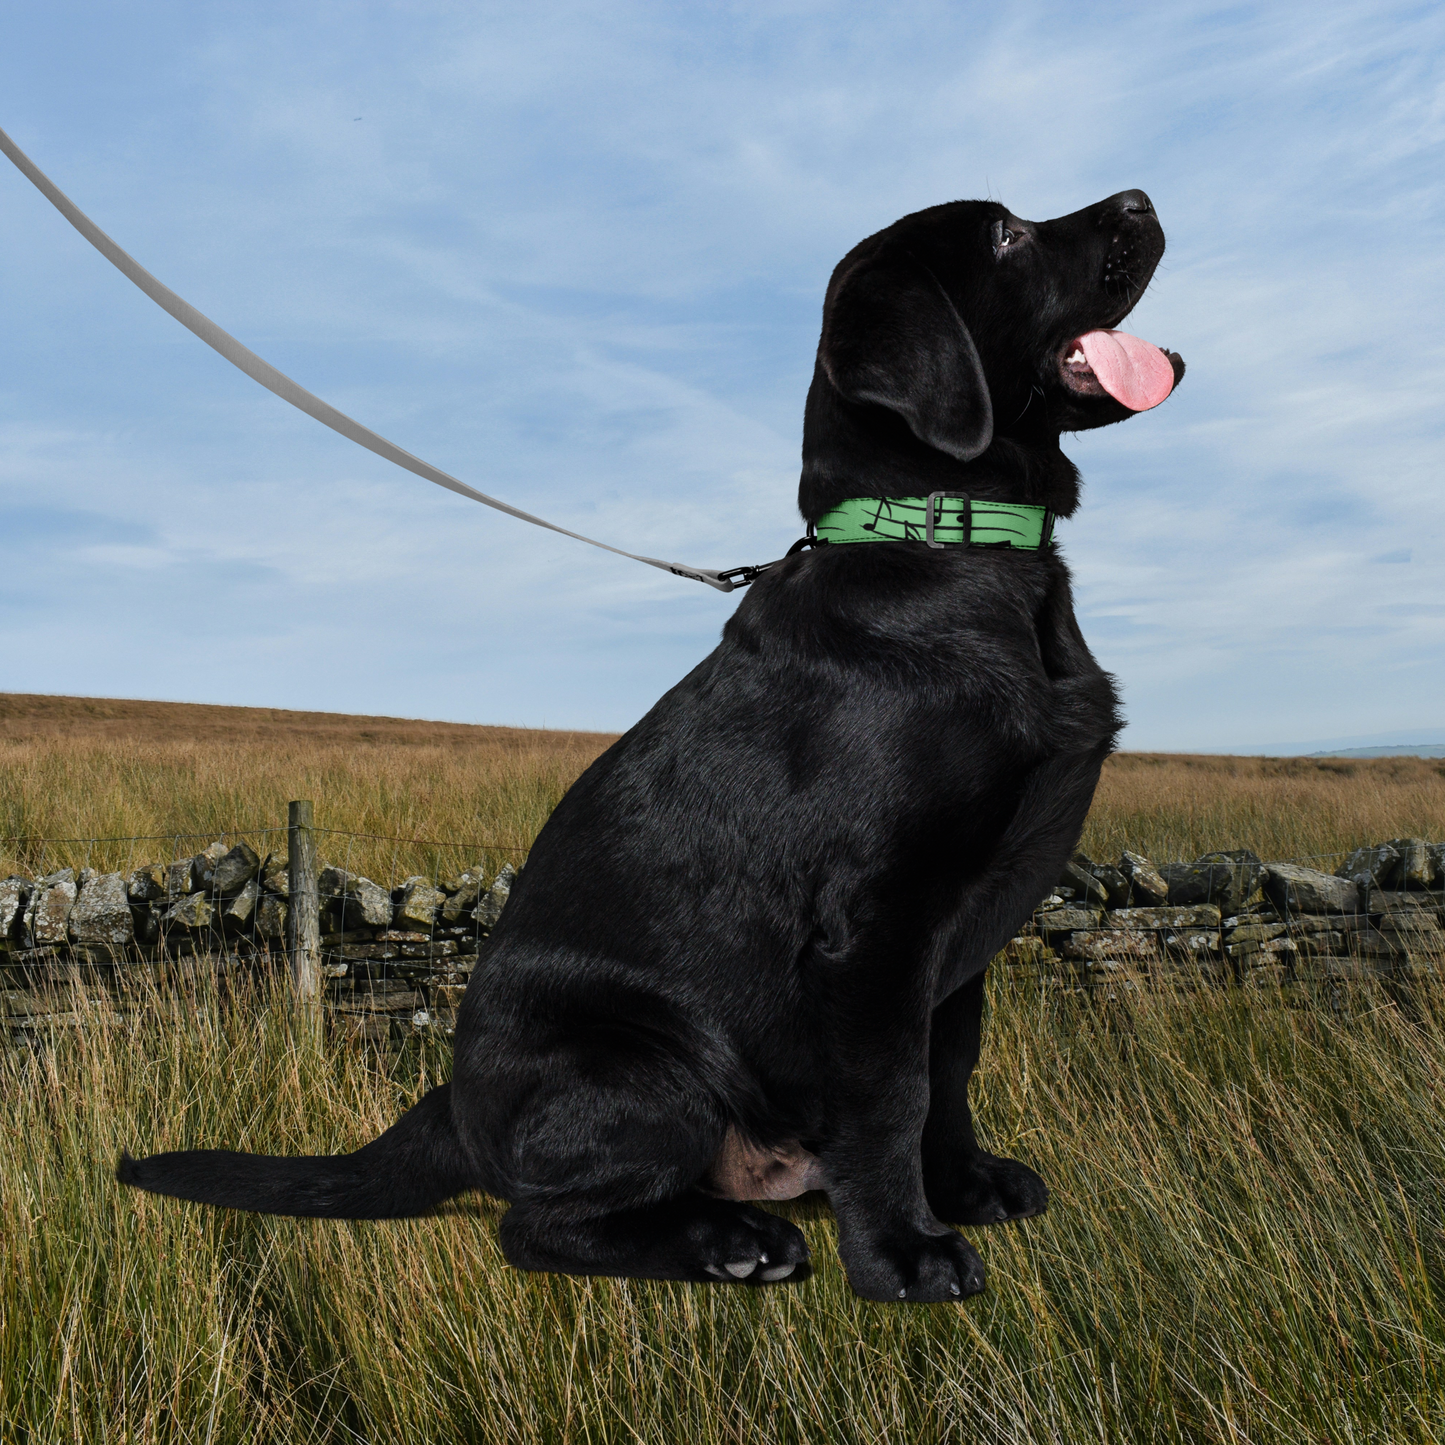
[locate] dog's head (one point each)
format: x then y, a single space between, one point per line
962 329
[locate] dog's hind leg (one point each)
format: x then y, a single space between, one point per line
690 1236
605 1167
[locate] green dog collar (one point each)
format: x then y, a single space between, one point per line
941 519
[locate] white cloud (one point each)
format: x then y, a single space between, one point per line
575 255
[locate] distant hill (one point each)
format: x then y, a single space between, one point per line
30 716
1413 750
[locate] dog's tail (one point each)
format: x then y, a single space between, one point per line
409 1170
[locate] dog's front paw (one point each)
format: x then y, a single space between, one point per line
986 1189
916 1267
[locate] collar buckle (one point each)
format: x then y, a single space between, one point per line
965 516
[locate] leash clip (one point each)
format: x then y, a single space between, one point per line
966 516
741 576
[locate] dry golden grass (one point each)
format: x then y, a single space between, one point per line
1176 806
1244 1244
182 774
101 768
1246 1240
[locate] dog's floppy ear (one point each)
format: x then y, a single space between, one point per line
892 336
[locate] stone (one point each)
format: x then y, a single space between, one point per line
1104 944
1147 888
1327 943
1191 945
448 996
1258 913
47 914
147 921
146 883
1085 886
334 882
1203 915
178 878
362 1028
1227 879
369 906
419 903
203 865
25 1003
379 998
1255 932
1370 866
235 870
1372 943
489 909
456 972
1342 968
1388 902
1069 920
1421 926
1246 948
362 903
1304 924
463 899
428 950
193 911
237 911
271 916
1028 952
365 950
1294 889
1267 976
14 892
102 912
1115 884
1417 867
461 880
276 877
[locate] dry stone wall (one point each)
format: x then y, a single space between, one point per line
1230 917
397 958
394 958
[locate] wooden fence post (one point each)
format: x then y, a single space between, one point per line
303 915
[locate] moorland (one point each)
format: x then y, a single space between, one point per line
1246 1240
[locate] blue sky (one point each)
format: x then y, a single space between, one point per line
575 255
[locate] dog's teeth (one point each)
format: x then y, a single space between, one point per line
778 1271
742 1269
1077 356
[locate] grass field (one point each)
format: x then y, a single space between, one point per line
87 768
1246 1241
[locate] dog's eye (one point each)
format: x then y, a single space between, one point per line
1003 238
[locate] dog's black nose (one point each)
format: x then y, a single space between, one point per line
1133 201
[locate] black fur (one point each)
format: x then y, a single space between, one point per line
765 914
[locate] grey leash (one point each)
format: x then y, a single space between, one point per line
288 390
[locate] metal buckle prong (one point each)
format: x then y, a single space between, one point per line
928 518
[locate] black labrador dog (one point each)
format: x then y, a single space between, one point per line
746 956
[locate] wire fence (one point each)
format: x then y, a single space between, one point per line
382 908
391 857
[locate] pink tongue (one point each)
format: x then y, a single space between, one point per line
1130 370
